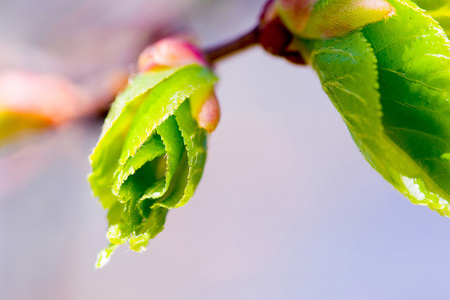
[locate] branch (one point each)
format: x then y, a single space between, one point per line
249 39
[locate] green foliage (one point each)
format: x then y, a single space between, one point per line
150 155
390 82
439 10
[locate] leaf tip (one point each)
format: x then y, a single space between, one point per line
105 256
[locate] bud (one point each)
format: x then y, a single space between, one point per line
31 101
205 109
48 96
152 151
274 37
209 115
295 13
173 52
315 19
168 53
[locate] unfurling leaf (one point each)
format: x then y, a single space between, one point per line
152 151
391 82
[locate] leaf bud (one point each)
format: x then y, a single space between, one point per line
274 37
316 19
175 52
205 109
152 151
169 53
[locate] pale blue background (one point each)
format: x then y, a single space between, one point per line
287 208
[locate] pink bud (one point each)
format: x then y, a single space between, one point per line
205 108
170 52
209 114
173 52
297 12
51 97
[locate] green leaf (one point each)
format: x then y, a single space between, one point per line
390 82
126 189
170 95
439 10
431 4
151 154
104 256
195 141
104 158
347 70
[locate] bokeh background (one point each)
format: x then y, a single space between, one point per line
287 208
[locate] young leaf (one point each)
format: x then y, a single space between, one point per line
390 81
150 155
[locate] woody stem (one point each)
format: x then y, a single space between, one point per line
245 41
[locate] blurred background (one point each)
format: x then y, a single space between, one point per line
287 208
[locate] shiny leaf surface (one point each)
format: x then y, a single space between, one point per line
390 82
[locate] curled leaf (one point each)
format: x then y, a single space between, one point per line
152 150
151 153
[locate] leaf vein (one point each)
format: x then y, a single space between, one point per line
414 80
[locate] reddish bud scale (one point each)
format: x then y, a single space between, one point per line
297 11
274 37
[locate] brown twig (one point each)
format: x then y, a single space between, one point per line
247 40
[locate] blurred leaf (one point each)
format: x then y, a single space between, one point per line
14 123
